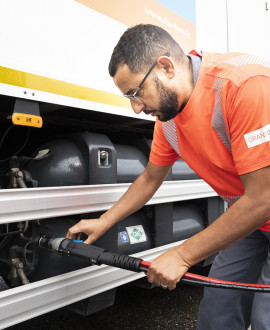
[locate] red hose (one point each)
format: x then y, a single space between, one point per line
207 281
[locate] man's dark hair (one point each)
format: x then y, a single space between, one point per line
140 46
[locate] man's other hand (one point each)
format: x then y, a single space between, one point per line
167 270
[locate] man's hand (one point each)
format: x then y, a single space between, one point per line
167 270
93 228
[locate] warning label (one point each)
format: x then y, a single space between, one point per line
136 234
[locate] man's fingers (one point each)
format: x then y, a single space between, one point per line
77 236
150 276
162 280
89 240
74 232
172 286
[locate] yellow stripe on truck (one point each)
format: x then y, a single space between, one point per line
32 81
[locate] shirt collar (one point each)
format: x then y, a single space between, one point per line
196 62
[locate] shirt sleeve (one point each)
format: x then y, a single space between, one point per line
249 125
162 154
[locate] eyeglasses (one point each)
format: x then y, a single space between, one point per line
133 96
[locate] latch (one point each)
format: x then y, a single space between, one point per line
103 157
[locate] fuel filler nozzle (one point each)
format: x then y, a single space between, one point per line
89 253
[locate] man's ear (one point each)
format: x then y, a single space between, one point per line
166 64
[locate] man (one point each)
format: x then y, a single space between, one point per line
214 111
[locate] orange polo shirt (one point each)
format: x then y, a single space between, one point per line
224 130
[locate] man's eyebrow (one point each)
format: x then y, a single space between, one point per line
130 91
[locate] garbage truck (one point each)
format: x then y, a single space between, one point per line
70 146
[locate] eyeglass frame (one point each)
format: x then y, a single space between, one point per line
133 96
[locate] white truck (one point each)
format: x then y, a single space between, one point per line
70 145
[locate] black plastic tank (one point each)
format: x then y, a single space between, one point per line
131 235
78 159
65 165
187 221
87 158
134 234
49 264
131 162
181 171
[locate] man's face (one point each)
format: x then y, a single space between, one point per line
157 96
168 104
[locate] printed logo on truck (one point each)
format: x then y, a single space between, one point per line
258 136
136 234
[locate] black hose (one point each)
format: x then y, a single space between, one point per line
225 286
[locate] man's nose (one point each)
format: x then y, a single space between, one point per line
137 107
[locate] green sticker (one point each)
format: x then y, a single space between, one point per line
136 234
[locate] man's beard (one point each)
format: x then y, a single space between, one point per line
168 104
